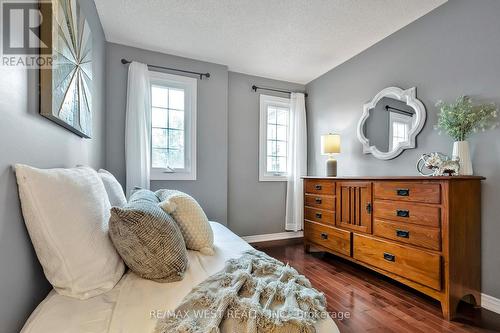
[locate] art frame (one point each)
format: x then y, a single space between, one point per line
66 87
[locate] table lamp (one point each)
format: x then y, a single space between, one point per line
330 144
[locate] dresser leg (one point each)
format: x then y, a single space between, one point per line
307 248
445 308
449 307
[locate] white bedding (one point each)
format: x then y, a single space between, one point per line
131 306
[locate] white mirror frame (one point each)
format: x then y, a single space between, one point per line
409 97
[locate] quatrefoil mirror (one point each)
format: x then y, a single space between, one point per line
391 122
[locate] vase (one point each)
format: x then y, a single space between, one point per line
461 150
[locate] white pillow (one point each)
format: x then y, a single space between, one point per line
66 212
113 188
191 219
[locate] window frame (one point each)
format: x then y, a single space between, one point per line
265 101
402 119
190 108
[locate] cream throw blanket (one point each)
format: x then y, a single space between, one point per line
252 294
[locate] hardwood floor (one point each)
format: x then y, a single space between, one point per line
364 301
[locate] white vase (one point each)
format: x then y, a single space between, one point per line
461 150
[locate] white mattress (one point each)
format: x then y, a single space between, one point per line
133 304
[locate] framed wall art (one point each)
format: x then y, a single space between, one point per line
66 87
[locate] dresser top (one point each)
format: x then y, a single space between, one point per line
398 177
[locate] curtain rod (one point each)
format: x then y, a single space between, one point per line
255 88
387 107
207 75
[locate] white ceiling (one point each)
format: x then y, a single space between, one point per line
291 40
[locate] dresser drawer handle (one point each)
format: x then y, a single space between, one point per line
402 213
403 192
324 236
369 208
389 257
319 215
318 200
402 233
318 187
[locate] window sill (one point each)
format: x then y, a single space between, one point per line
160 175
273 178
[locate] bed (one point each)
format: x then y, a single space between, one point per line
134 304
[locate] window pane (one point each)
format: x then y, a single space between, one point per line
159 96
159 138
282 117
281 132
159 117
281 167
271 132
271 115
281 148
175 139
176 119
159 158
176 99
176 159
271 147
272 164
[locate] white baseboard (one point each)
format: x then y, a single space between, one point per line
271 237
490 303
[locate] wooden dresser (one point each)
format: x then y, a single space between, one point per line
423 232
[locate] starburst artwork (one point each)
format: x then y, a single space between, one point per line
66 88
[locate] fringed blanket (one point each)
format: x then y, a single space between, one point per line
252 294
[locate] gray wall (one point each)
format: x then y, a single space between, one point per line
254 207
27 137
451 51
210 187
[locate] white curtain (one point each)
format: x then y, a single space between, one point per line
138 127
297 163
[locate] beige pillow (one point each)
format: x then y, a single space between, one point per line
148 239
191 219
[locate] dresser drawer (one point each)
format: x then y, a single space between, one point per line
319 186
416 265
319 215
403 211
408 191
320 201
426 237
332 238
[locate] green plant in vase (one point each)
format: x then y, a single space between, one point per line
460 120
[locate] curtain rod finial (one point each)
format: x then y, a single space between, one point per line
125 61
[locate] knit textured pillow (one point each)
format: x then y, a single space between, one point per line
191 219
148 239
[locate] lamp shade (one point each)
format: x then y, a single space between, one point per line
330 144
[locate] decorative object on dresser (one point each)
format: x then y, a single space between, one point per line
391 122
423 232
66 86
330 144
459 120
439 165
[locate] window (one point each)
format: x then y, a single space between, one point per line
173 127
400 126
274 133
